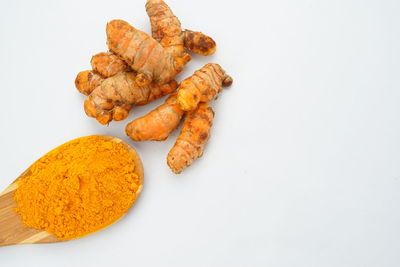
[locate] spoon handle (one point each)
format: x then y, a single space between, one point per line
12 230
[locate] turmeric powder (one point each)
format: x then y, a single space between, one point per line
79 187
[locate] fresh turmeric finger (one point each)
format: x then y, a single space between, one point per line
108 64
86 81
192 138
143 54
202 86
158 123
115 96
166 29
199 43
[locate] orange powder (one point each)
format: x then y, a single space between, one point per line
78 188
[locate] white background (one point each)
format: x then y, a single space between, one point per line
303 166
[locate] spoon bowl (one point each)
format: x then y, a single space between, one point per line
12 229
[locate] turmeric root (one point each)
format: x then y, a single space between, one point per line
108 64
86 81
158 123
199 43
143 54
202 86
114 97
104 64
192 138
166 29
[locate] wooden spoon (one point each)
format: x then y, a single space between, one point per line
12 230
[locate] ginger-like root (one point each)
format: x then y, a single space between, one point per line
104 64
202 86
114 97
192 138
166 29
108 64
199 43
143 54
158 123
86 81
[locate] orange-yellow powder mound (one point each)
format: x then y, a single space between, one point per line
78 188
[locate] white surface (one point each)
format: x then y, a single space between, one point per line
302 168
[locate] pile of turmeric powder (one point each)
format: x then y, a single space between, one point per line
140 68
79 187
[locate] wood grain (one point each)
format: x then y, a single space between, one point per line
13 231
